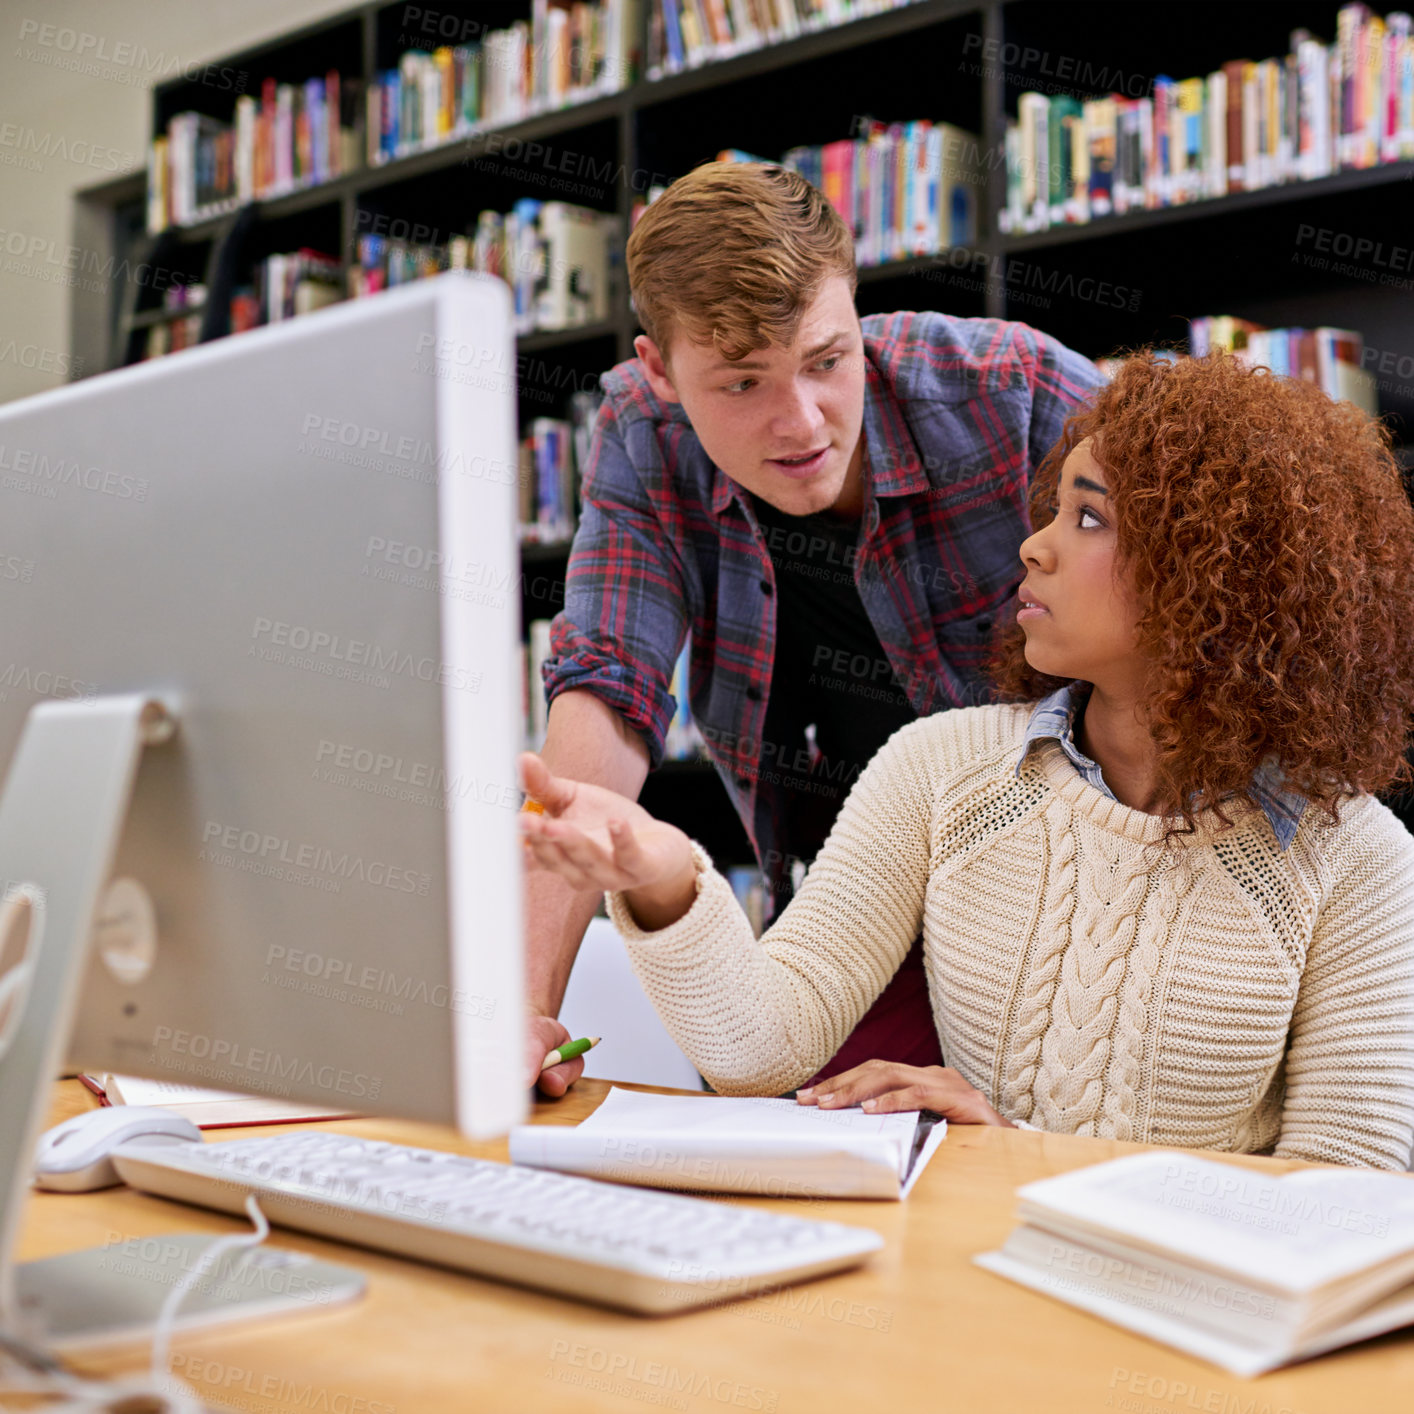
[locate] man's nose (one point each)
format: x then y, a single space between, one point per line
797 413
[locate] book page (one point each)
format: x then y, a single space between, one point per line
134 1090
213 1109
1324 1224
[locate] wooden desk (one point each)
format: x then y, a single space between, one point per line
919 1329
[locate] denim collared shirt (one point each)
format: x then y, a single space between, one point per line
1054 716
958 413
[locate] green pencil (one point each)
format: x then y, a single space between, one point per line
570 1050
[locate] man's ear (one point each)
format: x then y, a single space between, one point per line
657 370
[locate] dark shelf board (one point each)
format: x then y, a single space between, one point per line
1111 226
538 551
913 265
558 338
145 319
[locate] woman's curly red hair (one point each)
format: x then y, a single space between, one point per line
1269 538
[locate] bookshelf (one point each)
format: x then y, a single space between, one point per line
962 63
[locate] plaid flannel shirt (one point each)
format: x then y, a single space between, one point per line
957 414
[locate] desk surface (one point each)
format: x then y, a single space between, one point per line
918 1329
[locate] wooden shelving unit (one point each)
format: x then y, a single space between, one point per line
1239 255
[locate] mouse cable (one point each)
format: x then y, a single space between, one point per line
48 1375
166 1318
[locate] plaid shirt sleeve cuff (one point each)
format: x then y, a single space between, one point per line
580 664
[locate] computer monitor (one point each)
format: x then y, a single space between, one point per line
298 548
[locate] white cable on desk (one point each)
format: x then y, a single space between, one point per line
166 1318
46 1375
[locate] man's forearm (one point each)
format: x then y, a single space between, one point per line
586 741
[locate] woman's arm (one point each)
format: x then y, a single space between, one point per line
1350 1056
758 1018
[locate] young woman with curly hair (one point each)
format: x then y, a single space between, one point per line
1158 897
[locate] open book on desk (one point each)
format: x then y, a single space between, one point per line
720 1144
1246 1269
207 1109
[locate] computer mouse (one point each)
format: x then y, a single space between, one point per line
76 1156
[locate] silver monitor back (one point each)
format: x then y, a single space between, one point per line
302 541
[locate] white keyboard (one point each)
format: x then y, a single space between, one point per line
638 1249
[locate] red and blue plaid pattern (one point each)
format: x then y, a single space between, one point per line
957 414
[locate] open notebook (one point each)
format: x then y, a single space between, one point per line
772 1148
207 1109
1236 1266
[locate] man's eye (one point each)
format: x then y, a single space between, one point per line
740 387
832 361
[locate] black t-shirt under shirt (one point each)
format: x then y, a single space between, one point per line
830 673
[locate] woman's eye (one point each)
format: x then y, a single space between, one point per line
1086 511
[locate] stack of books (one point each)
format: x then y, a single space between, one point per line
1233 1265
1321 109
685 33
557 259
565 53
902 188
296 135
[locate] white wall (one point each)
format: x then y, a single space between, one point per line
76 79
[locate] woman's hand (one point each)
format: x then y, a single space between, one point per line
883 1087
597 839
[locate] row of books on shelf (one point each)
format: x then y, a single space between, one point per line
298 135
552 459
557 258
1322 109
683 34
172 335
293 136
565 53
903 189
1333 359
287 285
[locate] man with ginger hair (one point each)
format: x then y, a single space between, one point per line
832 508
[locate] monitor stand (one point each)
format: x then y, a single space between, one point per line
61 816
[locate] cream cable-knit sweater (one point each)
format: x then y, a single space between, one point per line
1238 998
